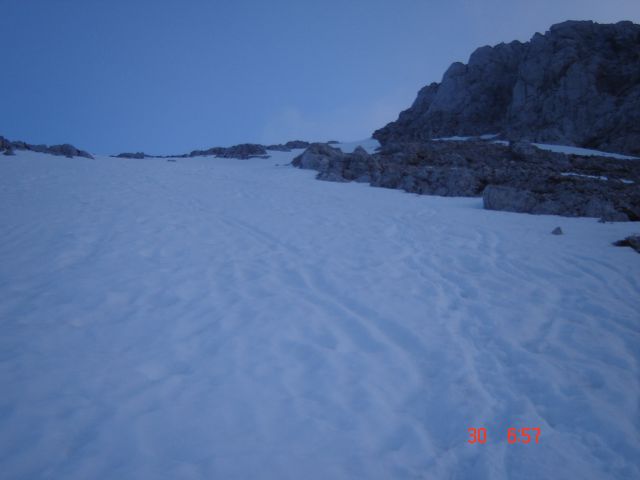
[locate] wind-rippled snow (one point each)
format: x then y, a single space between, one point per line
218 318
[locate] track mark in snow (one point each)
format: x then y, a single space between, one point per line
217 318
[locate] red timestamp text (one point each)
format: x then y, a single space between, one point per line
514 435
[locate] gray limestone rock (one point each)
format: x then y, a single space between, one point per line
516 177
319 156
578 84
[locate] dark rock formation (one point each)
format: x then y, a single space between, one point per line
242 151
578 84
138 155
39 148
287 147
66 149
557 231
5 144
573 200
519 178
318 156
632 241
20 145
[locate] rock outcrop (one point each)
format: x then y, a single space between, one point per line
632 241
517 177
250 150
66 150
578 84
319 156
242 151
137 155
287 147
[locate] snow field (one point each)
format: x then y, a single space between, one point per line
218 318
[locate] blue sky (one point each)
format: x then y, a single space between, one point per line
169 76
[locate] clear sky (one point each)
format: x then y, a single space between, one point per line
169 76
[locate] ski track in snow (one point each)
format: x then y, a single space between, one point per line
218 318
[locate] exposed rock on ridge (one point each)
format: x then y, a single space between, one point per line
66 150
138 155
242 151
578 84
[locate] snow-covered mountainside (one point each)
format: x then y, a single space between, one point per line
217 318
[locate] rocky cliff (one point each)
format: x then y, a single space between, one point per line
578 84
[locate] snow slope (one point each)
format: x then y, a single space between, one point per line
217 318
582 151
566 149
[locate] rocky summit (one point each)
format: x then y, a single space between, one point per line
578 84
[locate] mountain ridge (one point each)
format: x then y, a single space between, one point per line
577 84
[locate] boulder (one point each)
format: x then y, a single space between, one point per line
319 156
632 241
